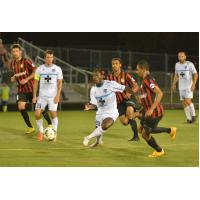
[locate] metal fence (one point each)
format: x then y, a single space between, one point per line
77 74
74 77
89 59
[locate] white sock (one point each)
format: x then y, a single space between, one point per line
97 132
55 124
187 113
40 125
192 110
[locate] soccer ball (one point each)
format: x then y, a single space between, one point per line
49 134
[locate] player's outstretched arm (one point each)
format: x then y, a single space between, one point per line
12 79
157 100
89 106
32 75
129 90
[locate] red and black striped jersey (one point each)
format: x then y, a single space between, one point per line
22 69
148 96
124 78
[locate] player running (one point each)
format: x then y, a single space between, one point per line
126 103
186 76
151 96
49 76
102 97
24 70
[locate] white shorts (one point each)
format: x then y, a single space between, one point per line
101 117
185 94
42 102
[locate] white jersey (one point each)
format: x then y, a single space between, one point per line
185 73
104 97
48 77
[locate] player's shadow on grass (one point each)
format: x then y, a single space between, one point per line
16 132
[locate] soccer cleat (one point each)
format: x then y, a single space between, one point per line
50 126
30 130
193 119
99 140
40 136
86 141
156 154
189 121
173 133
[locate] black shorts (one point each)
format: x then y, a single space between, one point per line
149 123
4 103
25 97
122 107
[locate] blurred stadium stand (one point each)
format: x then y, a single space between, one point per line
77 65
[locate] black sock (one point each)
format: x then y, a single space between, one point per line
152 142
133 125
161 130
26 118
46 116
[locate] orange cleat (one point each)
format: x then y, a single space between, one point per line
40 136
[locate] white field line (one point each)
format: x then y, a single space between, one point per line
67 148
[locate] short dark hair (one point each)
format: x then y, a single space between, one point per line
14 46
48 51
98 70
182 52
143 64
118 59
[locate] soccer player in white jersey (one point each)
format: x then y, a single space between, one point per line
102 97
186 76
49 76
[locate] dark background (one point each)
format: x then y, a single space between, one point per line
165 42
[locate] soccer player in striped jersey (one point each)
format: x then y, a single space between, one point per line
186 75
126 103
150 96
23 70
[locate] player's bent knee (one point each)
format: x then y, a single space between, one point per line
107 123
38 114
124 121
184 103
53 114
21 107
145 135
188 102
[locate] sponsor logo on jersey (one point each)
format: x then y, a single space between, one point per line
152 85
105 90
53 70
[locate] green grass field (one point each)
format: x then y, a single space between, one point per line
18 149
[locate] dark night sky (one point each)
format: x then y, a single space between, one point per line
144 42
